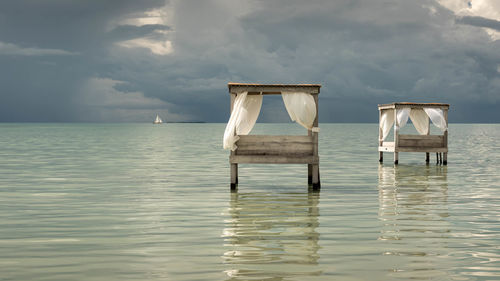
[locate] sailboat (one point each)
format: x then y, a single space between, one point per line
157 120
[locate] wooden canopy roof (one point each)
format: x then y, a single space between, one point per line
272 89
412 105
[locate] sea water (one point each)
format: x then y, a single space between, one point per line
143 201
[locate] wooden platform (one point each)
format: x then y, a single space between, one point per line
414 143
272 149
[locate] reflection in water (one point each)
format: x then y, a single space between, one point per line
272 236
413 209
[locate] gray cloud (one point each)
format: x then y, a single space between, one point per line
12 49
480 22
126 32
363 52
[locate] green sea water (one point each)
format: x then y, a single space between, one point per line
152 202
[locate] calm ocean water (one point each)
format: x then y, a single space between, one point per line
137 202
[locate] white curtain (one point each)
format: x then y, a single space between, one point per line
246 109
386 122
437 117
301 107
420 120
403 115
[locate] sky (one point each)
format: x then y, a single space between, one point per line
128 60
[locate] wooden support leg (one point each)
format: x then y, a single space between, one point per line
237 178
309 174
427 154
396 158
380 157
234 176
316 185
445 158
437 157
440 158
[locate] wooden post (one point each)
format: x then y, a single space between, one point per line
380 136
445 154
316 184
427 154
396 136
309 166
309 174
234 167
234 176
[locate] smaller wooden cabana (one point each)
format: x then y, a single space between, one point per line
421 114
301 102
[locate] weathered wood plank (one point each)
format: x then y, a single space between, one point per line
421 141
386 149
388 144
315 177
284 146
272 85
315 134
421 149
293 146
274 91
271 138
234 176
419 137
413 105
386 106
270 89
273 159
285 150
396 136
380 138
309 173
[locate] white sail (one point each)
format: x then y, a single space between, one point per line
157 120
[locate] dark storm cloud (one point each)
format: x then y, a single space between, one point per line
480 22
61 24
42 87
363 52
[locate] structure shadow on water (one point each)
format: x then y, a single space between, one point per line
413 209
272 236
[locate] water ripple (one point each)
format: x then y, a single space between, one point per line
136 201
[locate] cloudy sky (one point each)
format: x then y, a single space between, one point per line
126 60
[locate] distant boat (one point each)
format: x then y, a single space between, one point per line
157 120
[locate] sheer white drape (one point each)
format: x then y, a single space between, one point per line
301 107
419 117
420 120
245 112
402 116
386 122
437 117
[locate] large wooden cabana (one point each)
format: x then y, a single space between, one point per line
301 102
421 115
